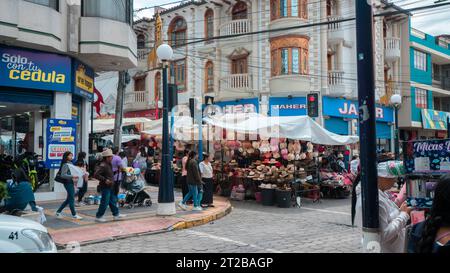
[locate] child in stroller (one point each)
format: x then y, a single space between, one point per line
135 193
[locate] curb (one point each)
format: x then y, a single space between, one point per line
178 226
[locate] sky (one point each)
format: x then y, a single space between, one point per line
434 22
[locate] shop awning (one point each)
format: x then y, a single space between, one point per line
101 125
297 127
435 120
125 138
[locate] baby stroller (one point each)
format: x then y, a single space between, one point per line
135 193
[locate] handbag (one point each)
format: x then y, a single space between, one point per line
60 179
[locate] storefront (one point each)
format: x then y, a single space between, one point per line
239 106
36 86
341 117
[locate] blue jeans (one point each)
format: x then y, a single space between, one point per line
196 192
70 200
108 198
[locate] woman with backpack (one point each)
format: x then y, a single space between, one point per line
65 175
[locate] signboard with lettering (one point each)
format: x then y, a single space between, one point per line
335 107
281 106
35 70
239 106
427 156
61 137
83 80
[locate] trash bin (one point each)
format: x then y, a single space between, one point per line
283 198
268 196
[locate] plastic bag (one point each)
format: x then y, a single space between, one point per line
42 218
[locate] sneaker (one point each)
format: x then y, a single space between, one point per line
182 206
77 217
119 217
197 209
100 220
59 215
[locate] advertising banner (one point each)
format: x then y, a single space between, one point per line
427 156
61 137
35 70
83 80
238 106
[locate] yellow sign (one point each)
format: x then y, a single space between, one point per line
74 111
55 129
67 139
83 81
62 122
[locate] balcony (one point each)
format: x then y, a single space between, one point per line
236 81
392 49
136 101
235 27
335 29
336 83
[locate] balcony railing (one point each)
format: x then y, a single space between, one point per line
235 27
335 29
333 22
336 82
419 34
236 81
392 49
137 100
142 54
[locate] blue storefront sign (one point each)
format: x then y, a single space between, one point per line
281 106
335 107
83 80
34 70
427 156
61 137
239 106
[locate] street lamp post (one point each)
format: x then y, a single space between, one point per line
396 101
166 199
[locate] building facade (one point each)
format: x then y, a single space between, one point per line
49 54
299 47
426 103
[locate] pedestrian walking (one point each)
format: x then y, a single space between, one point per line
354 165
118 168
433 234
206 171
104 173
184 185
194 182
83 165
124 158
64 172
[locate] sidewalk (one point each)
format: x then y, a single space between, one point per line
140 220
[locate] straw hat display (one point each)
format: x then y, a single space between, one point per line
290 168
268 155
258 162
273 161
274 141
265 146
276 155
283 145
274 148
290 157
233 162
260 168
256 144
310 148
297 147
291 147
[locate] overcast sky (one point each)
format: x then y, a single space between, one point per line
435 21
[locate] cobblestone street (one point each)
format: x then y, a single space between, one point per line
250 227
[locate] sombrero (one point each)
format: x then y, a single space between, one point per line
273 161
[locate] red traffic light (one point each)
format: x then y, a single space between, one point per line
312 98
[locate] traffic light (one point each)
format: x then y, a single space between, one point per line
192 106
313 105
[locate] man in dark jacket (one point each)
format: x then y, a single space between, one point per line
104 173
194 181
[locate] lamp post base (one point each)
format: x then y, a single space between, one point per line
166 209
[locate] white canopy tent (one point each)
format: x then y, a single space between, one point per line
125 138
298 127
101 125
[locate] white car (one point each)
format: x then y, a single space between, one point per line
18 235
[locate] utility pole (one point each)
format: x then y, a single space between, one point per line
367 129
119 108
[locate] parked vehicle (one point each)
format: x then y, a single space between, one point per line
18 235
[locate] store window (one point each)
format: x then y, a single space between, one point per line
239 11
178 74
177 32
119 10
54 4
209 77
141 41
289 56
157 87
421 98
209 24
420 60
289 8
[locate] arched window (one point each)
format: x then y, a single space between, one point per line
209 24
157 87
289 55
209 77
141 41
177 32
239 11
288 8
